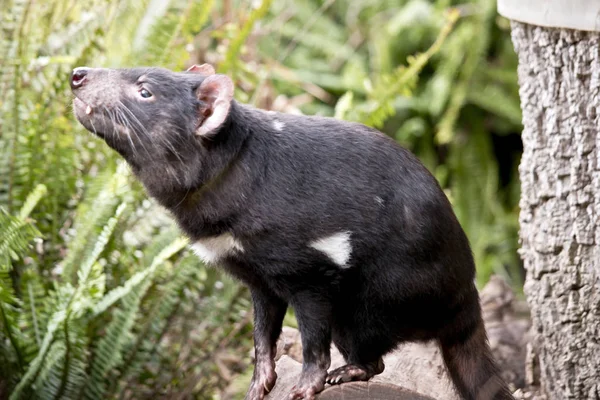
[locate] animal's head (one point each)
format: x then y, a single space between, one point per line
152 115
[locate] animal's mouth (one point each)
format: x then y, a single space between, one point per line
82 105
90 118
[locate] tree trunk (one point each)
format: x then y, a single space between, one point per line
559 76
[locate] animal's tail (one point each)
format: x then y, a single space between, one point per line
470 363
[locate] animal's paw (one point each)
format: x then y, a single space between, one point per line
354 372
309 385
261 385
347 373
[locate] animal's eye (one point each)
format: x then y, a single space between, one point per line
145 94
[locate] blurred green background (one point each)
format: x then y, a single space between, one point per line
99 295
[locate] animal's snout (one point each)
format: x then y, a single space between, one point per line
78 77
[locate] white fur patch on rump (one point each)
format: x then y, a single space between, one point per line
337 247
215 248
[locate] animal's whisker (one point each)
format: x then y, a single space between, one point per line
133 118
162 140
126 126
113 137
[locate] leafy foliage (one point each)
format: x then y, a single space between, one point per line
99 296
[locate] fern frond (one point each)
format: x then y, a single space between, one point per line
190 21
49 375
232 56
15 236
73 374
16 233
495 100
198 15
34 312
90 280
73 368
35 366
63 373
109 351
32 199
158 242
94 216
478 43
79 300
161 42
118 293
163 307
403 80
9 307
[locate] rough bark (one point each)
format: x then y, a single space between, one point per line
559 76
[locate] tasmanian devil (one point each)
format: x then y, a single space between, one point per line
330 217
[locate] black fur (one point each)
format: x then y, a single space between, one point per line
410 276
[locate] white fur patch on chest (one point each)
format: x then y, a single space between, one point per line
215 248
278 125
337 247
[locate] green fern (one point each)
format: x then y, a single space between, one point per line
22 390
16 233
34 315
16 236
75 302
478 44
50 371
402 81
9 305
163 307
118 293
230 63
166 40
94 216
108 353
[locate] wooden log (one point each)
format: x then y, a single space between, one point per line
397 383
370 391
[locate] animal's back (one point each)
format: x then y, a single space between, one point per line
330 176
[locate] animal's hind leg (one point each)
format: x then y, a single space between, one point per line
363 357
342 341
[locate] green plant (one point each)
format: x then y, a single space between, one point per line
96 285
99 297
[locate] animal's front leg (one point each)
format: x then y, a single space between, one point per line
269 311
313 312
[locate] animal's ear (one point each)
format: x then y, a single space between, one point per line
204 69
215 94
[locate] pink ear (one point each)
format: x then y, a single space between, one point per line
215 93
204 69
